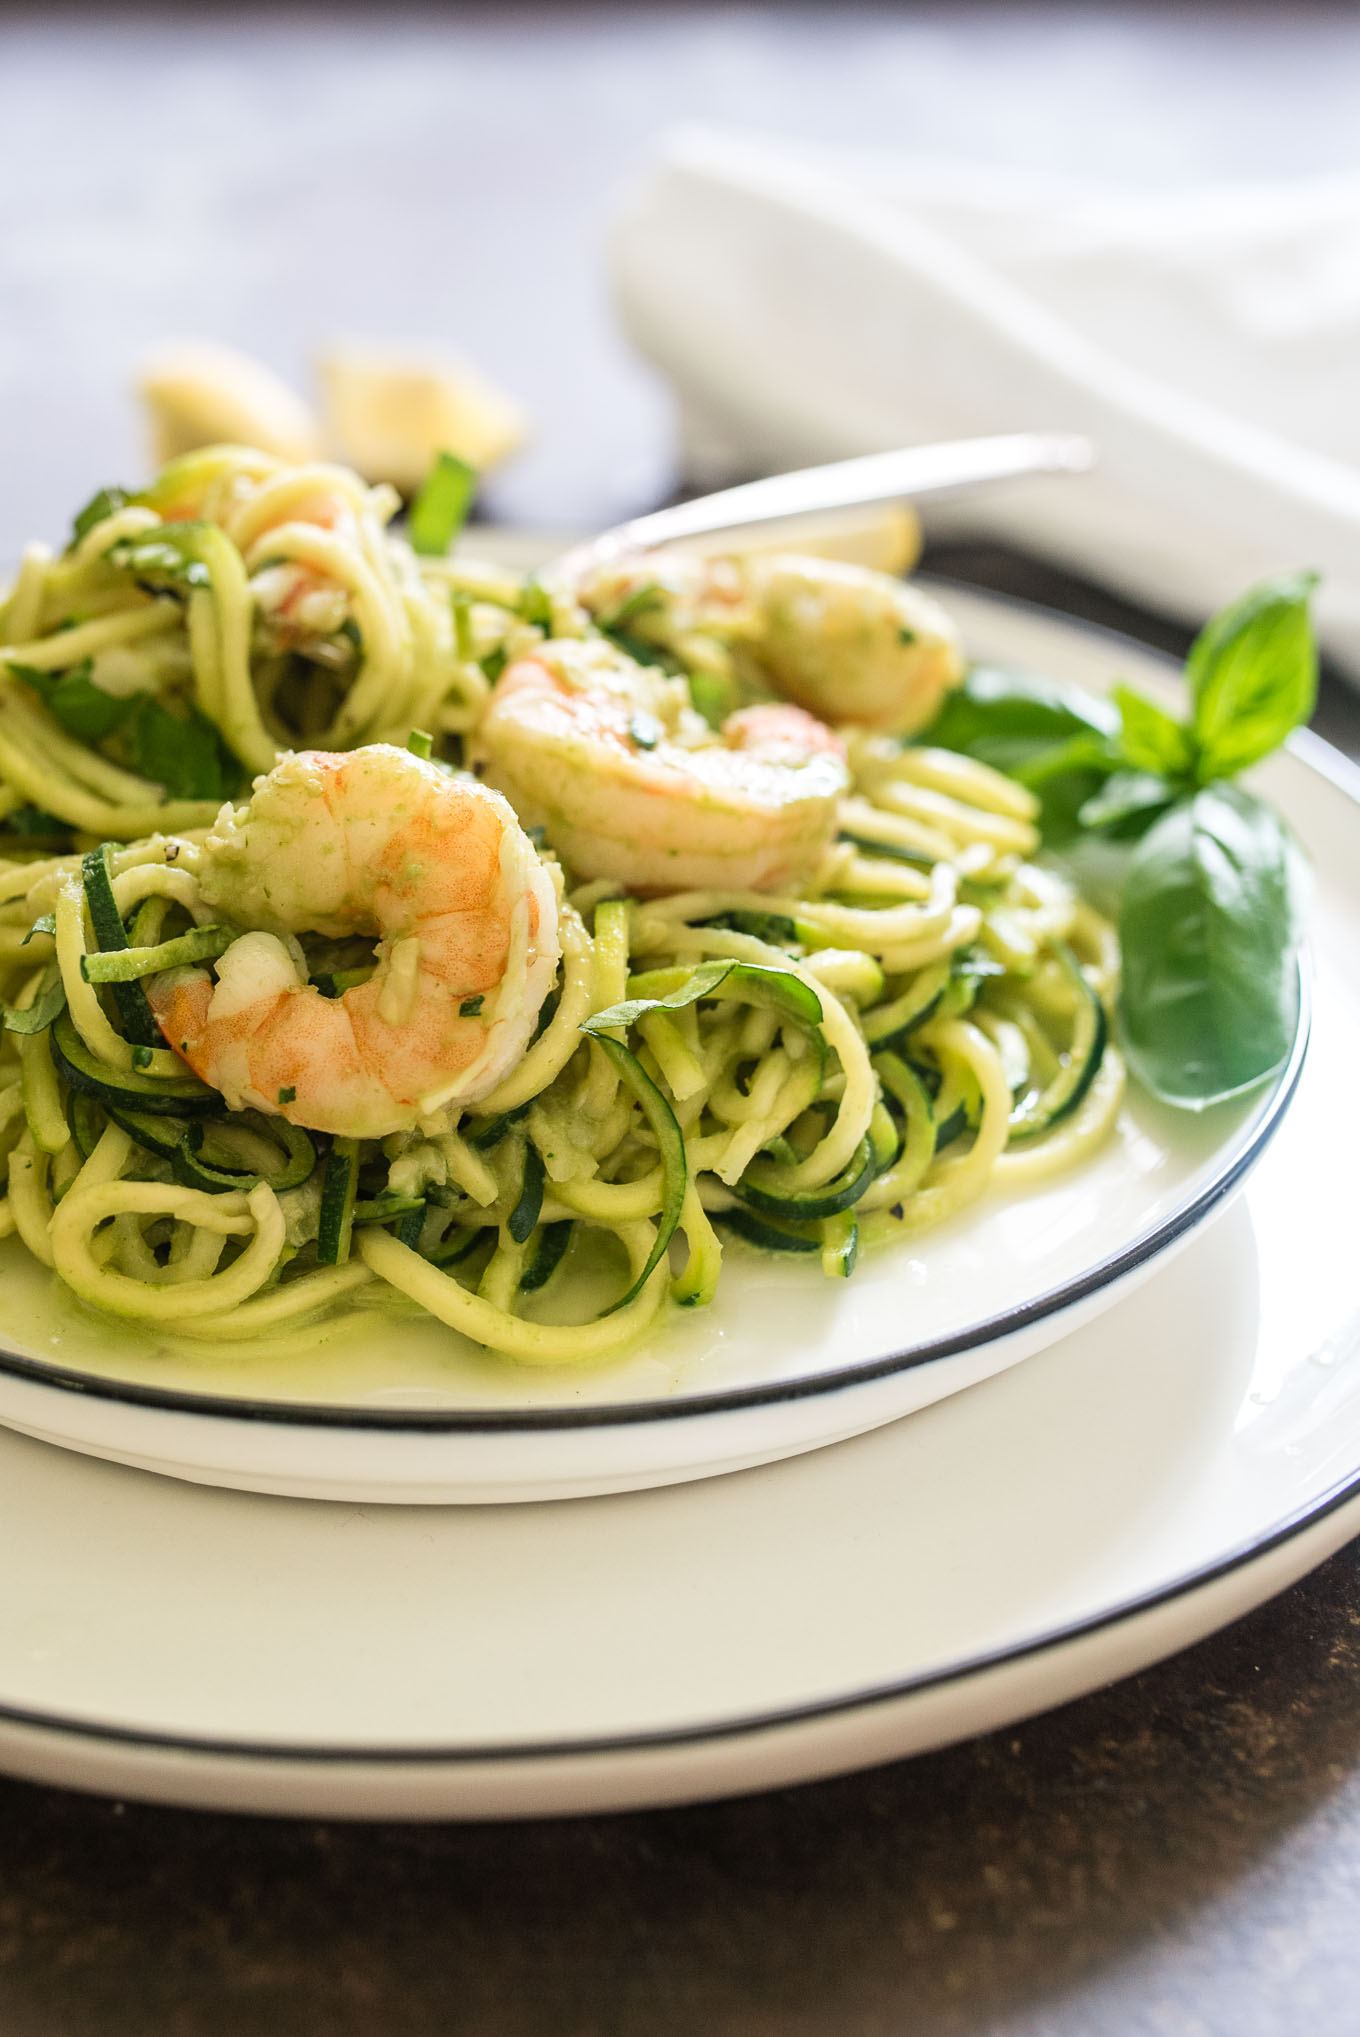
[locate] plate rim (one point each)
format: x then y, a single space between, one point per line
1311 749
715 1732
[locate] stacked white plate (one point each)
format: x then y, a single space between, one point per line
1182 1438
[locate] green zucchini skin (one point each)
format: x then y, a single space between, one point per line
670 1145
548 1255
386 1209
154 1134
461 1245
85 1118
411 1225
891 1024
885 1139
951 1128
840 1246
338 1190
1068 1087
524 1216
179 1096
139 1021
129 964
769 1237
494 1130
820 1202
193 1171
895 852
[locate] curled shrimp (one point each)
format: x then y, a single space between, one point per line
630 783
373 842
849 644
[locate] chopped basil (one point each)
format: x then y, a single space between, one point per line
535 604
83 709
441 507
184 753
105 504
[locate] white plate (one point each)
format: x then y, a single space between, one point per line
784 1361
1121 1494
1118 1496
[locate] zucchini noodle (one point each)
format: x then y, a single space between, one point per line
236 609
802 1069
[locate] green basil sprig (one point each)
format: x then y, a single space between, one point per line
1207 918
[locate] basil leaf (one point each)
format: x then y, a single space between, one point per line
1149 738
1055 739
993 704
1128 803
1210 1003
185 754
1252 673
81 707
47 1005
440 509
106 503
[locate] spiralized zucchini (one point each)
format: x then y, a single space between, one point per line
804 1072
714 1067
234 609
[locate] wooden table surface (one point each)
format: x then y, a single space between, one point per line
1176 1857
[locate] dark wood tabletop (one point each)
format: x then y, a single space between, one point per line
1178 1856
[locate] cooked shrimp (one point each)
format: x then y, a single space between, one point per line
377 842
629 783
849 644
298 528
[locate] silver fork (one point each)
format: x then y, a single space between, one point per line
904 476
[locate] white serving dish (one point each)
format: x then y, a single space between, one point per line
783 1362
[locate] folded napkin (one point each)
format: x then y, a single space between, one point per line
808 305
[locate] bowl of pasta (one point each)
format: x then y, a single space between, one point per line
475 1033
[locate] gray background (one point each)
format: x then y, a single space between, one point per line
273 178
1179 1857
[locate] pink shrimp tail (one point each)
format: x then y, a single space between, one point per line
181 1008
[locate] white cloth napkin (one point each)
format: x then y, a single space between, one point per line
808 305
